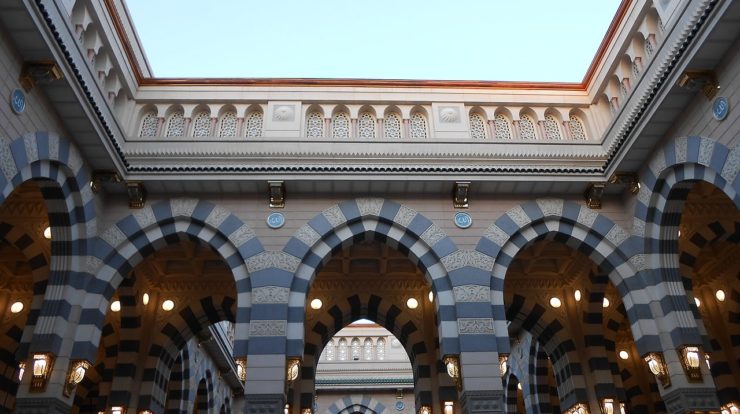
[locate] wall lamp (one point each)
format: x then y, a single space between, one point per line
294 366
276 190
578 408
77 370
593 194
39 72
503 363
425 409
730 408
452 362
691 362
460 194
607 406
241 368
42 364
630 180
120 409
704 80
448 407
657 366
306 411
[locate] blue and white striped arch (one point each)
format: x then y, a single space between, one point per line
122 246
396 225
356 403
611 248
58 167
664 186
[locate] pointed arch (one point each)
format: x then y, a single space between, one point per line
65 185
609 246
395 224
664 186
122 246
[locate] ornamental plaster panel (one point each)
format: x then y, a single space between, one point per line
74 162
183 207
617 235
279 260
217 216
369 206
449 117
472 293
496 235
404 216
518 216
587 217
307 235
92 265
657 164
638 227
113 236
32 152
432 235
270 294
475 326
145 217
462 258
639 262
7 163
732 165
334 216
268 328
551 206
53 147
242 235
680 144
283 118
706 148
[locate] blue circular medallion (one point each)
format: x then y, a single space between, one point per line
720 108
400 405
463 220
275 220
18 101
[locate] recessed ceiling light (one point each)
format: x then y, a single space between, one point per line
47 233
624 354
431 296
115 306
168 305
698 302
720 295
605 303
412 303
145 299
16 307
555 302
316 304
577 295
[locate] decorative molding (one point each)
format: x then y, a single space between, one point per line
279 260
472 293
475 326
268 328
270 294
462 258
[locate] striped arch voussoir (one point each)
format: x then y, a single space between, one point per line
685 159
122 246
397 225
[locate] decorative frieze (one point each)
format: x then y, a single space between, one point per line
462 258
270 294
472 293
279 260
475 326
268 328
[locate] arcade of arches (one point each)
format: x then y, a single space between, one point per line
205 245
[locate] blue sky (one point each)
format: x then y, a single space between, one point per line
523 40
